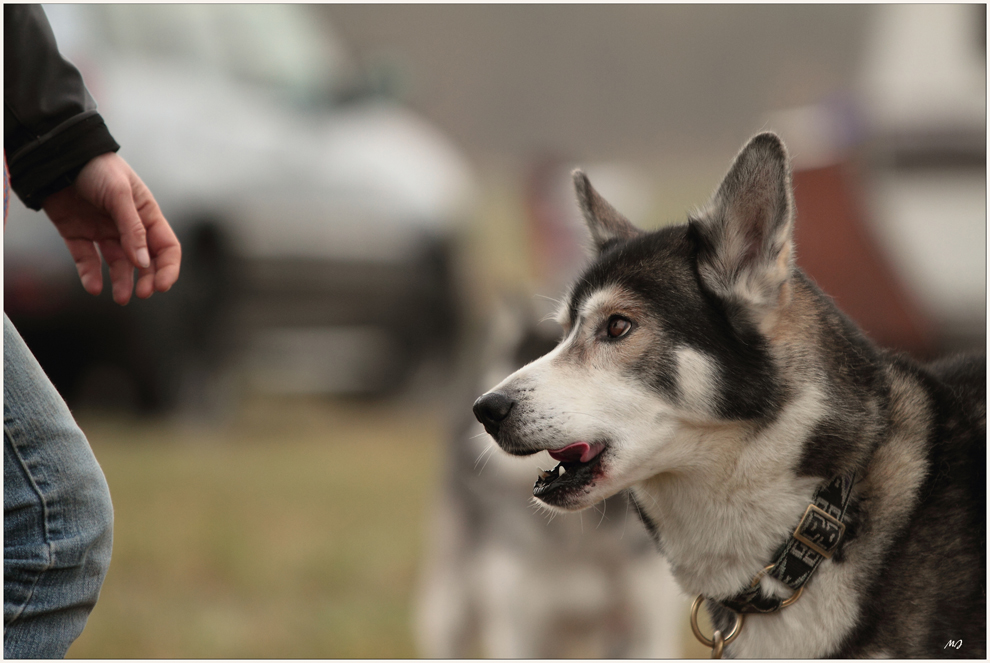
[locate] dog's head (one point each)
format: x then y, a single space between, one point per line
666 335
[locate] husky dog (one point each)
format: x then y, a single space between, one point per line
792 473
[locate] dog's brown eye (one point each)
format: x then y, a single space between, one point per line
618 326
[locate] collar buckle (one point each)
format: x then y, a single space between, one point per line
820 531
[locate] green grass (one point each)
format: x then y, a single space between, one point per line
294 532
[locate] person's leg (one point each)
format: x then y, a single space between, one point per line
57 516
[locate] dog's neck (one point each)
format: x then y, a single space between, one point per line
721 518
718 540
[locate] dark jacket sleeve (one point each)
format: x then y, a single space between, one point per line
50 125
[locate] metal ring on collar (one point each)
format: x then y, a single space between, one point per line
786 602
697 631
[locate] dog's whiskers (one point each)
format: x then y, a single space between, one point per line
487 455
629 499
555 300
537 505
604 508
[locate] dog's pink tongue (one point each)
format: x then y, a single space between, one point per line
579 452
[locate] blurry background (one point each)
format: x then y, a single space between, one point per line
359 187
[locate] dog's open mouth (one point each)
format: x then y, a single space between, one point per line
577 467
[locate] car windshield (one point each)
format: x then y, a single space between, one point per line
283 46
280 45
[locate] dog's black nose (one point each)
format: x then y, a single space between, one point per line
492 409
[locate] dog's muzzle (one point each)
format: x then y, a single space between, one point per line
492 409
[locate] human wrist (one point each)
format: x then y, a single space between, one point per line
53 162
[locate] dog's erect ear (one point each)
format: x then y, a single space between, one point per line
746 249
603 221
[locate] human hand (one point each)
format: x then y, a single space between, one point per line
108 206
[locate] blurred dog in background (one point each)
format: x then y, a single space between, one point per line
503 578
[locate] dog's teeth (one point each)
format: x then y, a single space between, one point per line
562 468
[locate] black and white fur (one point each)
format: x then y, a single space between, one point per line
720 387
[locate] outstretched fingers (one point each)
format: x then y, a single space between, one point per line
145 286
88 264
121 270
166 253
121 207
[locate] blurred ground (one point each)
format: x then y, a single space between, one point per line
294 532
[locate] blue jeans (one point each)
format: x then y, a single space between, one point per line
57 516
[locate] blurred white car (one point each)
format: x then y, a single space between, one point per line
317 216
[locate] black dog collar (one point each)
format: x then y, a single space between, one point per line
816 538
